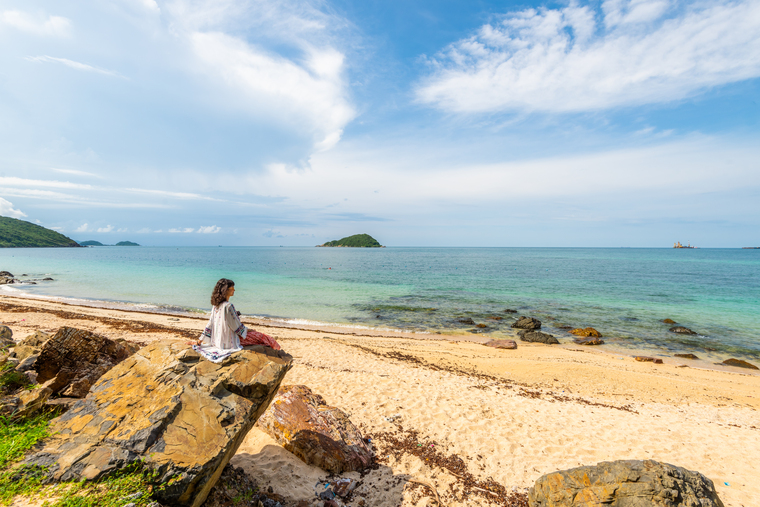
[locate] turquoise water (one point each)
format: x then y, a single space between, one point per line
624 293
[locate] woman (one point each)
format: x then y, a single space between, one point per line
225 334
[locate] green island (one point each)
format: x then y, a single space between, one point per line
355 241
16 233
92 242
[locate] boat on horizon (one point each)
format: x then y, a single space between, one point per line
678 244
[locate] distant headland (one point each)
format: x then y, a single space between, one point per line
92 242
16 233
355 241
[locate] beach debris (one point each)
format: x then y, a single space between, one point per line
686 356
320 435
647 359
587 332
624 482
392 418
74 359
739 363
589 341
6 337
502 344
669 321
681 330
527 323
465 320
183 420
537 337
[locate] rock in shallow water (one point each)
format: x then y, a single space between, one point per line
183 416
739 363
647 359
537 337
587 332
686 356
681 330
320 435
624 483
589 341
527 323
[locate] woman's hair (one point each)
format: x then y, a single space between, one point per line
219 295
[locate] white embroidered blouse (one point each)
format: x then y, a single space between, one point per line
224 329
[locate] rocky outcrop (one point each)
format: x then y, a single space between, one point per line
537 337
681 330
183 417
25 403
629 483
509 310
465 320
527 323
739 363
587 332
589 341
647 359
686 356
502 344
6 278
74 359
669 321
6 337
320 435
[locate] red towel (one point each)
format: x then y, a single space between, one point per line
256 338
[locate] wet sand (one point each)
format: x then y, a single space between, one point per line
452 417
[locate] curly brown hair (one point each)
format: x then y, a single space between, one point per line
219 295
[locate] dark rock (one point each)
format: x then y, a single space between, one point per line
6 274
37 339
75 359
538 337
481 326
6 337
502 344
681 330
625 483
48 279
587 332
739 363
465 320
647 359
527 323
509 310
669 321
564 327
686 356
182 419
589 341
28 363
494 318
320 435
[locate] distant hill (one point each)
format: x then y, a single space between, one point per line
126 243
355 241
91 242
20 234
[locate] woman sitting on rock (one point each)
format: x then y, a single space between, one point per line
225 334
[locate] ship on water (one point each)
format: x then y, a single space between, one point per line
678 244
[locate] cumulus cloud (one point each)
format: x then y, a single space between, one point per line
211 229
184 230
576 58
56 26
7 210
107 228
74 65
82 228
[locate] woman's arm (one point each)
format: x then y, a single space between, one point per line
233 321
205 338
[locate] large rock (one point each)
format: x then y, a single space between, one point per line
319 434
588 332
629 483
740 364
182 416
527 323
6 277
6 337
36 339
537 337
75 359
25 403
502 344
681 330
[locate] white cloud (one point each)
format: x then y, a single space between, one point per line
74 65
107 228
82 228
24 182
37 25
184 230
564 60
7 210
211 229
76 172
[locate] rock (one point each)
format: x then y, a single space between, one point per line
75 359
647 359
538 337
6 274
624 483
47 279
6 277
465 320
527 323
686 356
589 332
28 363
509 310
681 330
6 338
589 341
564 327
37 339
320 435
183 420
494 318
669 321
61 404
25 403
502 344
740 364
481 326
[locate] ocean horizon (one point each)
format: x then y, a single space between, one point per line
625 293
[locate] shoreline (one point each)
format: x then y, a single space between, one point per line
510 415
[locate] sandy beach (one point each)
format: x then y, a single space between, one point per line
453 418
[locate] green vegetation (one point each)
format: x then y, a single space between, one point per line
126 243
91 242
356 241
20 234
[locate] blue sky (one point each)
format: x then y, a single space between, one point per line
430 123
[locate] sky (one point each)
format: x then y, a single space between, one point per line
614 123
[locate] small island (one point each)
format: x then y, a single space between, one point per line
126 243
92 242
355 241
16 233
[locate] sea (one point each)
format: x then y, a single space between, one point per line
625 293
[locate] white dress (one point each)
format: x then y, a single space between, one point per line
222 335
